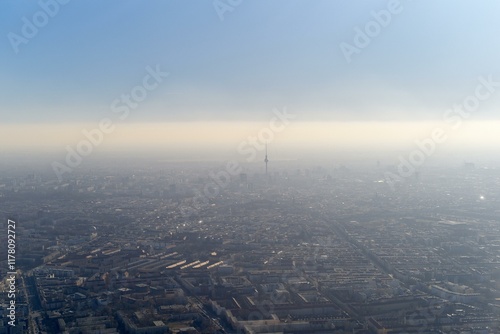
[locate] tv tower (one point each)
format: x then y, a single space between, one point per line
266 160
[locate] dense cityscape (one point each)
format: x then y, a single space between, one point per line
249 167
308 250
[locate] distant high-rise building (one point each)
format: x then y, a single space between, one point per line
266 160
243 177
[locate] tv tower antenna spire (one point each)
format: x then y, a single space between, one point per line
266 160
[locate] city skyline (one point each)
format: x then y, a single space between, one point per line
249 167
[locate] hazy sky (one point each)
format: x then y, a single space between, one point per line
262 55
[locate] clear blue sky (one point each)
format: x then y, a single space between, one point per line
264 54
